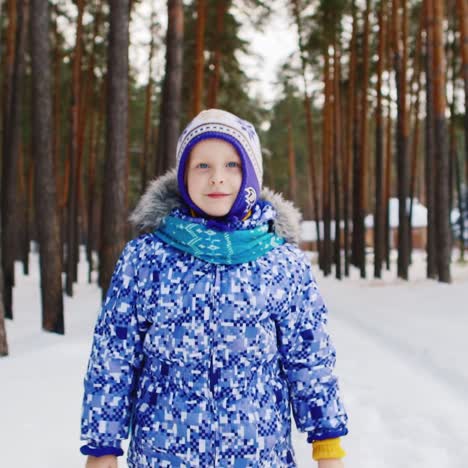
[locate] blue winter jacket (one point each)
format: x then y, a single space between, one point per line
202 363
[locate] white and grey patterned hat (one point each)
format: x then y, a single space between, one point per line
216 123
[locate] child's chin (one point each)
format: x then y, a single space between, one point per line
218 213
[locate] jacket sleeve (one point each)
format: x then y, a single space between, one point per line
308 359
116 358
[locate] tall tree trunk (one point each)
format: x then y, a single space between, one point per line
91 191
379 213
357 117
363 179
72 238
83 118
326 151
453 152
349 159
63 200
3 336
309 126
57 115
58 98
221 8
148 107
388 142
312 170
441 150
291 160
430 145
399 62
1 19
169 120
92 98
337 157
114 202
23 203
199 57
415 134
461 203
388 180
86 116
93 203
462 12
10 154
47 218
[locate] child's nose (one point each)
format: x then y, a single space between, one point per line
217 177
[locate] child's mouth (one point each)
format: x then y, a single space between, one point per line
217 195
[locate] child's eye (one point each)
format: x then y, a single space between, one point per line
233 164
202 165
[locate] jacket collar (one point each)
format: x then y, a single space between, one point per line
162 196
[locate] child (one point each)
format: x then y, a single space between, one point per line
212 325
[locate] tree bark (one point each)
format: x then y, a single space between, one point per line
326 174
357 117
291 160
415 134
169 120
57 114
399 63
349 158
148 107
441 148
453 152
114 203
72 228
199 57
430 145
388 180
337 157
221 9
93 98
12 120
47 218
309 126
364 179
379 213
24 201
361 158
93 203
462 13
3 335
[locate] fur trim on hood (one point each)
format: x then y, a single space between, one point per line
162 196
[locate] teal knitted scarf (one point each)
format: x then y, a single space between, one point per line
227 248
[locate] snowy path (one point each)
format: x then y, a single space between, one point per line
402 352
401 348
401 415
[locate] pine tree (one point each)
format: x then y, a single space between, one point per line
114 201
47 219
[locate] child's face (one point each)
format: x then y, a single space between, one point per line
214 167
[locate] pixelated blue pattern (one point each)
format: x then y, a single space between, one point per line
202 363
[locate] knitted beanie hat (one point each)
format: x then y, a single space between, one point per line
216 123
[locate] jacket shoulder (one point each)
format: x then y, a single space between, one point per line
143 248
293 255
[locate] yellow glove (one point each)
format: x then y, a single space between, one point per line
327 448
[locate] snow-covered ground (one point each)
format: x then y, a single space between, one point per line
401 347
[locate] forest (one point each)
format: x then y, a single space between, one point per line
369 108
